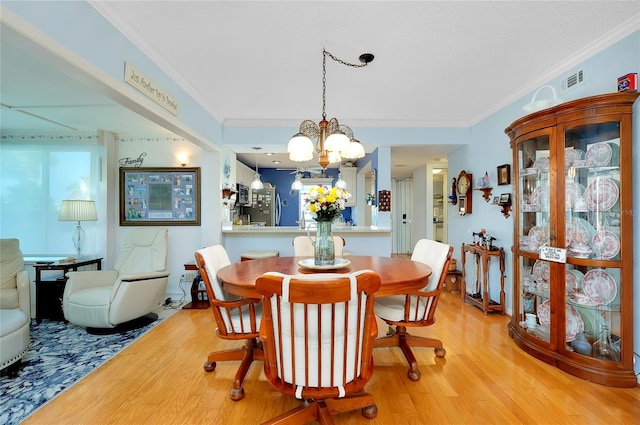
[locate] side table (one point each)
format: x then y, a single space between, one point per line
481 297
199 298
452 281
49 290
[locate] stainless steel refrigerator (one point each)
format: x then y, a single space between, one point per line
264 206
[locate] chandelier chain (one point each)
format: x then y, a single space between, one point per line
326 53
354 65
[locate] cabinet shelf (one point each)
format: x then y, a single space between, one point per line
594 132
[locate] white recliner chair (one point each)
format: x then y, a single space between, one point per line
104 299
15 305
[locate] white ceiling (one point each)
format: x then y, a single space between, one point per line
437 63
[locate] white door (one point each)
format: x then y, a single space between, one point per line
403 204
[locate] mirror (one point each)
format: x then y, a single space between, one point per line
370 184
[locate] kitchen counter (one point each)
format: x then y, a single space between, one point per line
337 230
360 240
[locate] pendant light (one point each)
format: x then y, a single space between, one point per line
333 141
297 183
340 184
256 184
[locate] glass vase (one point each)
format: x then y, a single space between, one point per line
603 348
324 253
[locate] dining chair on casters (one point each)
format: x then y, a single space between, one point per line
416 308
318 332
303 246
236 318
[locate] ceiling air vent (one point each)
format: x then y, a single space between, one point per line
572 80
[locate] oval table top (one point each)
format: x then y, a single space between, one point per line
396 274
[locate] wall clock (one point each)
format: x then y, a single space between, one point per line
463 187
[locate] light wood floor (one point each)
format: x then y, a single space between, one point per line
484 379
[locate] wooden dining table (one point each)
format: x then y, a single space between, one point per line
396 274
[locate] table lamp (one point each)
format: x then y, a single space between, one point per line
77 210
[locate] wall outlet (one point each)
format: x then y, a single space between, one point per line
189 276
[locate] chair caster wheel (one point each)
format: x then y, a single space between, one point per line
370 412
440 352
414 375
209 366
237 394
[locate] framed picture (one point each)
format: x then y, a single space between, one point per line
159 196
504 174
505 199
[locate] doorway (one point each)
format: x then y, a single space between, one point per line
439 190
402 243
419 208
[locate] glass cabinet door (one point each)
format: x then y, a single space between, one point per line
574 194
592 238
534 231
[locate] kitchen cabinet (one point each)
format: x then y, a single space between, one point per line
244 174
573 237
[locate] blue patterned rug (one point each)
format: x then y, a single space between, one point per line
60 355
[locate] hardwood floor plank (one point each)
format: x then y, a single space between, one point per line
484 379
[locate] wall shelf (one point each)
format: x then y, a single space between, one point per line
486 192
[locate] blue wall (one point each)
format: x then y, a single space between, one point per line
282 180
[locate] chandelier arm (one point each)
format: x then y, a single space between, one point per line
333 125
310 129
347 130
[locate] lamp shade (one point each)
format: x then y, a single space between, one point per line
300 148
336 142
340 184
354 151
78 210
297 183
334 157
257 184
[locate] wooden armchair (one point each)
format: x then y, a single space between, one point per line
303 246
236 318
318 332
416 308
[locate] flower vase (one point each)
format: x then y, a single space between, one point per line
324 253
603 348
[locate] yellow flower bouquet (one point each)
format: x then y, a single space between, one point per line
325 204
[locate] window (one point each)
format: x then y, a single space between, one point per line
34 179
308 183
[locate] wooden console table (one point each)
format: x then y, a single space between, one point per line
481 297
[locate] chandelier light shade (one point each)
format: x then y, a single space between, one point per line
332 141
257 184
355 150
78 210
300 148
337 142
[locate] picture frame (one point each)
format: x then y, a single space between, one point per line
156 196
504 174
505 199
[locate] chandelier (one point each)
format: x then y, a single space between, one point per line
332 140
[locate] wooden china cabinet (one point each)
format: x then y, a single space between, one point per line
573 237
